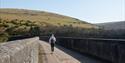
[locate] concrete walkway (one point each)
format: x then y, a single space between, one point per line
62 55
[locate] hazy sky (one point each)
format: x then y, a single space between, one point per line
93 11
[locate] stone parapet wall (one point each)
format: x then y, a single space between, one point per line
20 51
111 50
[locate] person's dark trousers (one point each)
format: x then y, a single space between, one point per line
52 47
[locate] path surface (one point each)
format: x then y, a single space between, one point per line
62 55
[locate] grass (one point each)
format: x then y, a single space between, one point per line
30 22
41 16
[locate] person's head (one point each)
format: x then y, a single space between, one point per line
52 35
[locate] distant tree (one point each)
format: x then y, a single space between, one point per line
35 31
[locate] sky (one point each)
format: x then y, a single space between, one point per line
92 11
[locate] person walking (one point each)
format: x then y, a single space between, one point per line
52 41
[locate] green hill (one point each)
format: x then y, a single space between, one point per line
120 25
16 22
42 17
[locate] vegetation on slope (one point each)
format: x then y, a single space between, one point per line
16 22
9 28
113 25
43 17
29 23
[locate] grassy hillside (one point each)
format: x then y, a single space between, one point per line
16 22
42 17
29 23
113 25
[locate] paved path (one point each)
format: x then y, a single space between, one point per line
62 55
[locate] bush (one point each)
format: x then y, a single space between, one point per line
4 37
